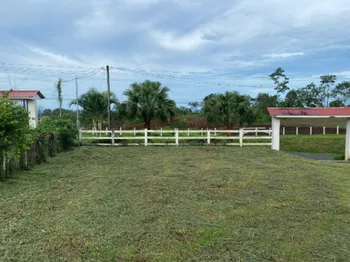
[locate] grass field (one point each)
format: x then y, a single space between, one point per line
177 204
331 144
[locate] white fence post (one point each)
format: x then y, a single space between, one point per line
188 132
215 131
256 131
120 131
310 130
146 138
297 130
284 130
324 130
80 135
177 137
241 137
208 137
113 142
134 131
337 130
161 132
106 131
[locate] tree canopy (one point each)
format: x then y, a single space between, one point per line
95 105
228 109
149 100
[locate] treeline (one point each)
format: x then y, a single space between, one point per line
323 94
149 101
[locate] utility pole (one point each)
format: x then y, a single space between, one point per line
109 97
77 97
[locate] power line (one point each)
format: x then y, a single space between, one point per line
40 65
90 73
183 79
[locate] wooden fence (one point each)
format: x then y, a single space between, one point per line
241 137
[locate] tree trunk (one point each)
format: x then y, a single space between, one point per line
148 124
100 123
94 123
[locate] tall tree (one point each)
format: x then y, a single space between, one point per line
281 80
261 103
228 109
264 100
327 83
294 98
342 92
194 106
312 95
58 88
336 103
149 100
95 105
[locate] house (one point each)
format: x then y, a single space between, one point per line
29 100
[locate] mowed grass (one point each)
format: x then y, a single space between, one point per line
177 204
322 144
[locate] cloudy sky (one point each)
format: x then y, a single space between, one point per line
195 47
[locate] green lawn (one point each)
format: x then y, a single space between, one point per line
177 204
331 144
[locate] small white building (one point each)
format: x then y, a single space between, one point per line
29 100
278 113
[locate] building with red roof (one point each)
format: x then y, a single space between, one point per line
29 100
278 113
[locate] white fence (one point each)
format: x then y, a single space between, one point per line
242 137
310 130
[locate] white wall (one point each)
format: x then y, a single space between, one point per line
347 140
33 113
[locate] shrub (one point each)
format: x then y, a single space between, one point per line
182 124
58 133
15 134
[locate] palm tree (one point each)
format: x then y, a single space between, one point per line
194 106
149 100
95 105
228 109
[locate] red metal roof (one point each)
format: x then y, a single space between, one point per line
22 94
311 111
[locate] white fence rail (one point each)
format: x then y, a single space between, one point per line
240 137
323 130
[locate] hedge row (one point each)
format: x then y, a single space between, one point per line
21 146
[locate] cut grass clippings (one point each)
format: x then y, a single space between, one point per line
176 204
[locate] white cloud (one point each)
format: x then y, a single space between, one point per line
199 38
48 57
171 41
284 55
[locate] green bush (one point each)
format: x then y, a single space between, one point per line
182 124
59 134
15 135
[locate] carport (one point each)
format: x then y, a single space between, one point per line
278 113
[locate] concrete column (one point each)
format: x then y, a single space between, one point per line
347 140
276 124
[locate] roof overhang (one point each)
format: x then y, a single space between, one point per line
312 112
22 94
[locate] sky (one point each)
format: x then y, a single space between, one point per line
195 47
